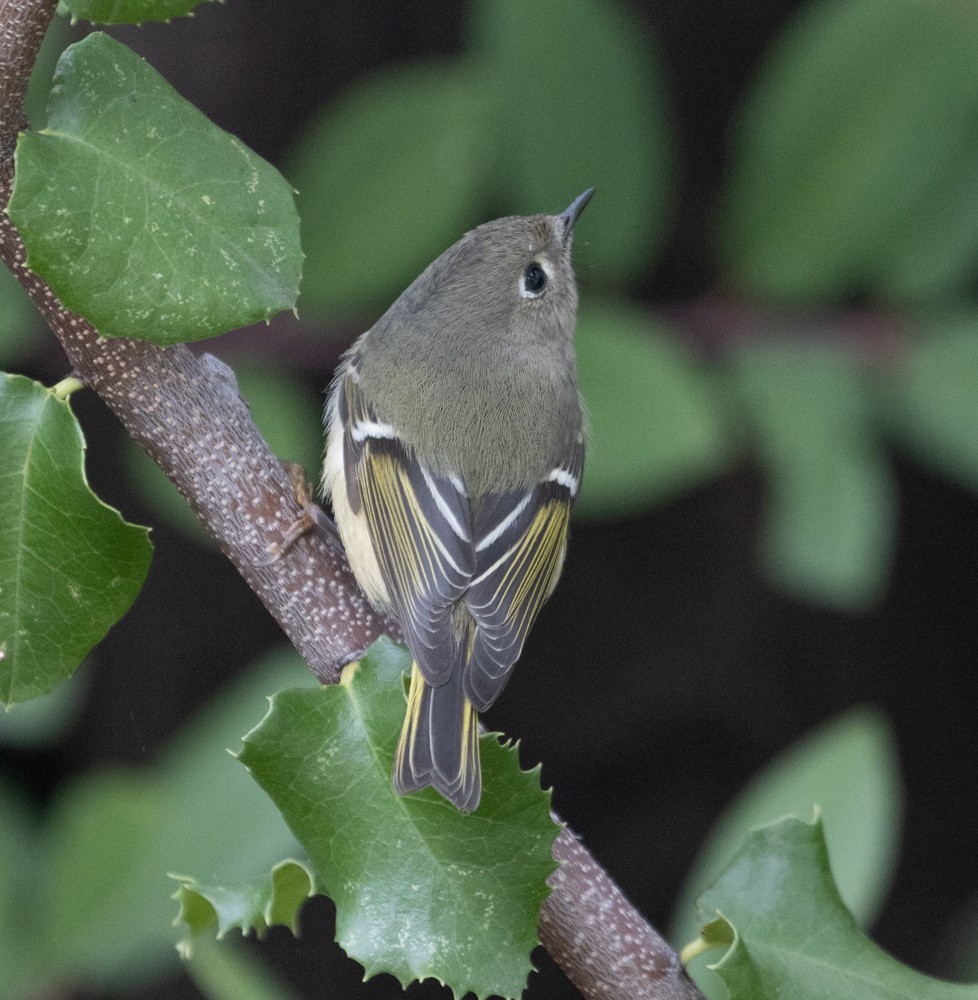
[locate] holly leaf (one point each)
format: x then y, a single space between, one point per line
129 11
789 933
70 566
420 890
142 214
255 905
846 771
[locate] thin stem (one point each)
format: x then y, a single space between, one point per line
67 386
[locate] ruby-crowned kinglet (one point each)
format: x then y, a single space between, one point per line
456 447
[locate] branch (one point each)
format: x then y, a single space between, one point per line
187 414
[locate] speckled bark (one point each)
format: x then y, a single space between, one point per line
187 414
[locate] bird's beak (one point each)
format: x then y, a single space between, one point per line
570 214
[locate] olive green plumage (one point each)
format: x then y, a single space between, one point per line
455 453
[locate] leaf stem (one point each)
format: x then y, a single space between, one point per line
694 948
67 386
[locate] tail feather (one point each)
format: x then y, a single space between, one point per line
439 744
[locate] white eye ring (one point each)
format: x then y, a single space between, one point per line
534 280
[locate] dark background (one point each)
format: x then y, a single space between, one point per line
665 671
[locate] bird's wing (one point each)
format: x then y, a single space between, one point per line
420 527
520 540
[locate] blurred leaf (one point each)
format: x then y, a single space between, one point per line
129 11
161 497
114 838
285 411
274 898
579 101
70 566
288 413
18 321
930 400
846 771
420 890
18 917
961 943
830 523
39 88
791 933
655 427
228 973
855 162
41 721
388 178
143 215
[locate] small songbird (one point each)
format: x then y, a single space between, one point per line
455 452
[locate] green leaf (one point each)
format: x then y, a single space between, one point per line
854 165
578 92
107 902
388 178
143 215
129 11
960 942
420 890
287 413
69 565
18 320
929 400
42 721
830 522
655 426
846 771
274 898
229 973
793 935
18 917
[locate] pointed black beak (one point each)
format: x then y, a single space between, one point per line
570 214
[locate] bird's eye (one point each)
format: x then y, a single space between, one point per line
534 281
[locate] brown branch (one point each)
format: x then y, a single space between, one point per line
187 414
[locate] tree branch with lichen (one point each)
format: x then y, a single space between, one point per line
186 412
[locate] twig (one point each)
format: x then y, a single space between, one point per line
187 414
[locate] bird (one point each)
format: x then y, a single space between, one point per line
455 451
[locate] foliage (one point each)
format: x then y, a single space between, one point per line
159 176
853 180
84 890
778 913
70 566
420 890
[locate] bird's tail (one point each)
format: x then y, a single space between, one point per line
439 744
